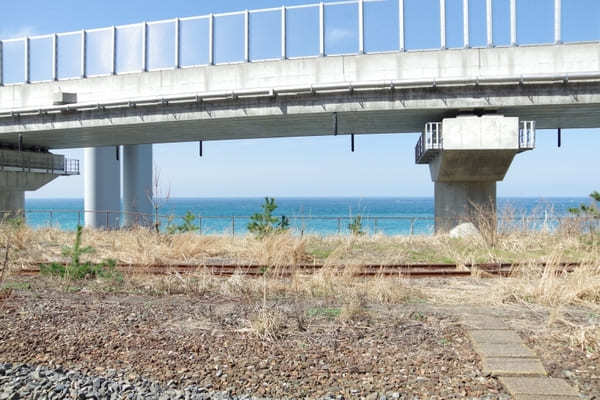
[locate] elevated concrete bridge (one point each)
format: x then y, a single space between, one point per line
556 85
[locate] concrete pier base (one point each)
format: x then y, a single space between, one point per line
102 187
12 204
137 185
458 202
467 155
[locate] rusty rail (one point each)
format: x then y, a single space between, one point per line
368 270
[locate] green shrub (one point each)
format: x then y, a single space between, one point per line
265 223
75 270
356 226
187 225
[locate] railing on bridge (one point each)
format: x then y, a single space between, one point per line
331 28
527 135
430 143
50 164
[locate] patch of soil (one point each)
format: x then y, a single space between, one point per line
305 352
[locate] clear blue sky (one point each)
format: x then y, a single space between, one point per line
383 165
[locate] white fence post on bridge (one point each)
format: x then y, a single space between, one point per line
1 61
144 46
283 33
177 43
211 39
513 22
321 29
27 63
402 39
489 16
443 24
114 50
83 58
557 21
246 36
466 23
361 27
55 57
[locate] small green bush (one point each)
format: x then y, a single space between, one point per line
356 226
265 223
187 225
75 270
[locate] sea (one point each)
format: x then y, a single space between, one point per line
310 215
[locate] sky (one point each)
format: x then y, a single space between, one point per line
382 165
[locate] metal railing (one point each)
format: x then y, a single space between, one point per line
71 166
527 135
299 224
174 43
39 162
430 139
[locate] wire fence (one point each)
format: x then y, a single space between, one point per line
299 224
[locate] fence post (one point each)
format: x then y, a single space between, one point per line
412 226
200 224
339 225
107 218
51 216
233 226
78 218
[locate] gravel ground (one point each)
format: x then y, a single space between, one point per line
178 342
21 381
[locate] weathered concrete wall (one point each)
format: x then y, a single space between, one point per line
23 181
550 104
12 203
458 202
30 159
489 132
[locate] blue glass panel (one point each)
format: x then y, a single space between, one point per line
381 26
129 49
422 24
229 38
194 42
265 35
161 45
341 29
98 52
40 53
69 56
302 32
13 62
535 21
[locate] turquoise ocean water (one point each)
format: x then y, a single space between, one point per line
391 216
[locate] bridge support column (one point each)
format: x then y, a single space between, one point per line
457 202
12 203
137 185
467 155
102 187
22 171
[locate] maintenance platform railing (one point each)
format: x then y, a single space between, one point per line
527 135
49 165
430 143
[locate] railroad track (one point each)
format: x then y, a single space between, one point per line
367 270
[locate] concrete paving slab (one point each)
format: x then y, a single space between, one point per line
503 366
528 388
496 336
511 350
484 323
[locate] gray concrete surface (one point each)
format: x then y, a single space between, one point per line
137 184
102 188
289 108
